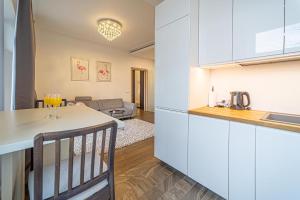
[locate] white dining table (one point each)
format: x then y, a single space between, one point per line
18 129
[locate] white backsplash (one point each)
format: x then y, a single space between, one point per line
272 87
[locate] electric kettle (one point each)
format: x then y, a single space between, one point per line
238 100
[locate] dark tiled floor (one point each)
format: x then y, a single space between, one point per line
140 176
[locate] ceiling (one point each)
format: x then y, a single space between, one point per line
78 18
154 2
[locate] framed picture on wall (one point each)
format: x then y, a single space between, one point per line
103 71
79 69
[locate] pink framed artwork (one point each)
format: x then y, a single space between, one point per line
79 69
103 71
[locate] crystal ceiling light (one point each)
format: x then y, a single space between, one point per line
109 28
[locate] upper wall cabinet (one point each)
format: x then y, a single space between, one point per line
170 10
292 26
258 28
215 31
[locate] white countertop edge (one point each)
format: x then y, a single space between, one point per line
13 147
27 144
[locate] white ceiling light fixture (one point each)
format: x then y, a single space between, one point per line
109 28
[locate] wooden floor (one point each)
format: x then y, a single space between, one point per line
145 115
140 176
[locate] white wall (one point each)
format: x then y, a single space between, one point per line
272 87
1 56
53 71
199 87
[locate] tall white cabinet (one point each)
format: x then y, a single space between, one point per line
172 65
258 28
292 26
174 49
171 138
215 31
170 10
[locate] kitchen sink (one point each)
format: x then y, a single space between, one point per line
282 118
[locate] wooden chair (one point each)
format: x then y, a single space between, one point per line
29 152
85 177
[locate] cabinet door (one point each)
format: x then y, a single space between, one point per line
258 28
277 164
215 31
172 65
208 153
171 137
170 10
241 161
292 26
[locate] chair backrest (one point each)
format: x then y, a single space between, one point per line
41 104
102 131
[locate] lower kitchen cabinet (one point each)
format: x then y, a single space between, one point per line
241 161
208 153
171 138
277 164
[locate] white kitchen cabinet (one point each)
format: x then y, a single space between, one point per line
208 153
277 164
170 10
292 26
171 138
215 31
241 161
172 65
258 28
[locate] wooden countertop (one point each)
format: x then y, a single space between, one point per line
244 116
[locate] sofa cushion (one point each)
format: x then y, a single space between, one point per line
93 104
106 104
83 98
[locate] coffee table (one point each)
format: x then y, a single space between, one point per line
116 112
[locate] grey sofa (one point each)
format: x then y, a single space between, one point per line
114 107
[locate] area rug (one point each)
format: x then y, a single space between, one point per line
135 131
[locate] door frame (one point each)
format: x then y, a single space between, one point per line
133 69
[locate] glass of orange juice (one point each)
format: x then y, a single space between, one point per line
47 104
56 101
47 100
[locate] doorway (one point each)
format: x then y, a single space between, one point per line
139 93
